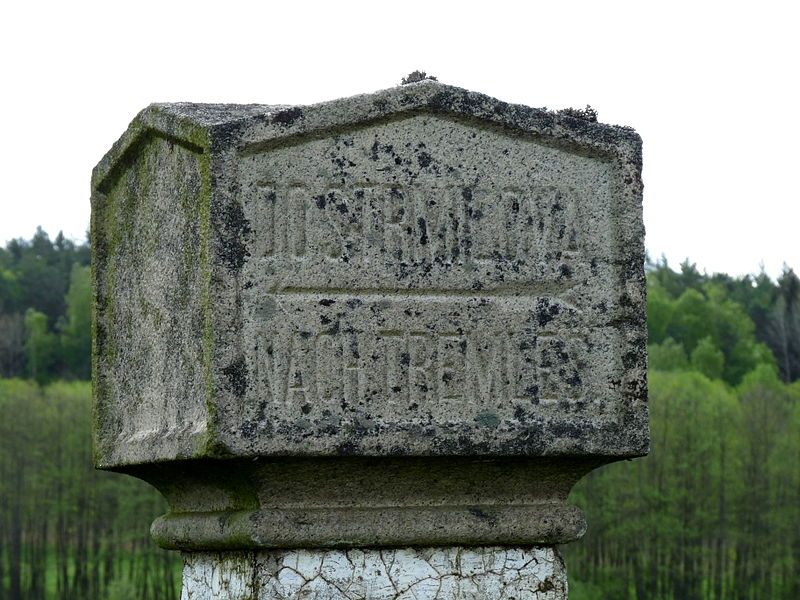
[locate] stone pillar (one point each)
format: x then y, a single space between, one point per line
365 348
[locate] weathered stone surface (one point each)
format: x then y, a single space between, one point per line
421 271
357 502
451 573
414 317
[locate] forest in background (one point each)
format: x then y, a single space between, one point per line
45 309
712 513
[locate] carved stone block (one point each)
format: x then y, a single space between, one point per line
412 307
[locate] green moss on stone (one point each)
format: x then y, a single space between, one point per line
125 200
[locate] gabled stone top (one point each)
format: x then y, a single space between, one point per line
203 124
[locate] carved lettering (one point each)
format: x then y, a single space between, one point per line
416 224
419 368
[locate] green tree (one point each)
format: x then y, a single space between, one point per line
664 527
38 274
75 328
692 320
68 531
668 356
675 283
42 278
676 309
12 339
769 510
708 359
711 314
755 293
784 329
10 292
40 346
660 309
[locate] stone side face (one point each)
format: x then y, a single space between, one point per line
149 237
452 573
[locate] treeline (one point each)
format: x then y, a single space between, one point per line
720 325
45 316
714 512
45 309
66 530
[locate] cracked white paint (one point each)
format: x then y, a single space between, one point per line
214 576
453 573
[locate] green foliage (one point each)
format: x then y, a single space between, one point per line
40 346
751 320
76 326
68 531
12 340
712 513
708 359
660 307
713 316
49 278
673 283
784 325
668 356
10 291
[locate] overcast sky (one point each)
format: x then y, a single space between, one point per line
712 87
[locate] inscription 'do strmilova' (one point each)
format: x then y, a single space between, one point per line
404 272
413 224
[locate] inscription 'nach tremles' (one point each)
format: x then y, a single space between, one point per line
410 369
417 224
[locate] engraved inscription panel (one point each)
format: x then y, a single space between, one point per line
437 224
424 357
425 270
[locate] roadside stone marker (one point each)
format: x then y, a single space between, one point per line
365 348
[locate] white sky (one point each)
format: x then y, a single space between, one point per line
712 87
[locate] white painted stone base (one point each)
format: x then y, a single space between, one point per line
489 573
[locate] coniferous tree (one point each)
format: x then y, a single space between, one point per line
76 325
12 340
784 329
52 279
40 346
